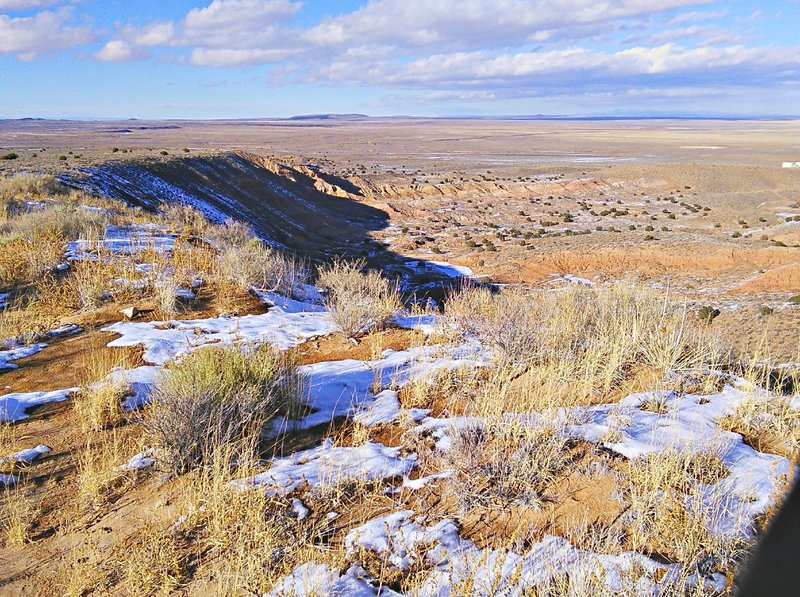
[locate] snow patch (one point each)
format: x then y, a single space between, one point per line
13 406
328 464
163 341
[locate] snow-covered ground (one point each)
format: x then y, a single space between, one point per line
367 392
123 240
13 351
285 325
14 405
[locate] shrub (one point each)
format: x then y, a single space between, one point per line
795 300
500 464
707 313
358 300
9 156
765 310
255 265
218 396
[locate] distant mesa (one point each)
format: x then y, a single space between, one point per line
143 128
330 117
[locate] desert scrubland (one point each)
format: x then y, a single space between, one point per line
395 356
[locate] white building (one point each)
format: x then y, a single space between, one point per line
791 164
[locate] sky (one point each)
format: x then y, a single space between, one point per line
278 58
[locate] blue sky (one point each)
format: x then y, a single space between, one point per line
262 58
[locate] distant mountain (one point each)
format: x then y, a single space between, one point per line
330 117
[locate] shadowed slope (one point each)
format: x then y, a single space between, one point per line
294 208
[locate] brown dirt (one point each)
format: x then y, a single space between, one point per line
338 348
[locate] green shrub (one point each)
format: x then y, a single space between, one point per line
795 300
707 313
9 156
219 396
765 310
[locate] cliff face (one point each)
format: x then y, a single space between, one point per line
288 206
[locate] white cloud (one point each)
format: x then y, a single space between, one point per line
465 24
474 50
237 15
156 34
568 67
29 37
119 51
26 4
230 56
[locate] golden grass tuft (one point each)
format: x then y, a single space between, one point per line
359 301
577 345
99 402
18 515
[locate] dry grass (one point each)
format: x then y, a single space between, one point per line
24 185
576 345
99 402
218 396
672 514
359 301
767 422
153 563
18 514
82 573
99 473
249 539
255 265
500 462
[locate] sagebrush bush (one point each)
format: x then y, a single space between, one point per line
499 463
358 300
255 265
218 395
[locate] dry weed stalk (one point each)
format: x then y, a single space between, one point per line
359 301
17 515
99 403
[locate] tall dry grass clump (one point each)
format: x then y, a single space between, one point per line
27 185
188 221
254 265
99 402
577 344
674 512
359 301
33 243
18 515
218 396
